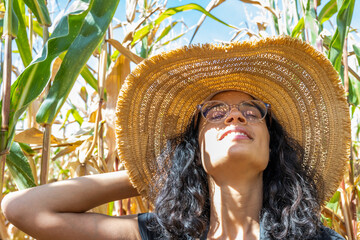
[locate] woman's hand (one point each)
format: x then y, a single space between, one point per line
57 210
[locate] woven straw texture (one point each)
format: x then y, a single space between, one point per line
159 98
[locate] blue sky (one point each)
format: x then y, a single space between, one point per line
232 12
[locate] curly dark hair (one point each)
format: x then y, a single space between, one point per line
291 203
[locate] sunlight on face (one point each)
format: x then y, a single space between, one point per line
233 148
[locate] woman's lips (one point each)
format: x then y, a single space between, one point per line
235 133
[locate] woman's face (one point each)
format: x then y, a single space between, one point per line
233 148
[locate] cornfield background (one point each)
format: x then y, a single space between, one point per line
63 63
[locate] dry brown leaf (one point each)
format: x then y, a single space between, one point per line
67 150
130 10
142 204
17 234
254 2
33 136
83 149
3 229
85 169
55 68
152 34
102 209
114 80
83 94
31 113
328 213
92 117
124 51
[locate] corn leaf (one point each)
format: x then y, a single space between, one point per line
166 31
76 116
89 78
31 82
33 136
213 4
298 28
275 18
124 51
19 167
10 27
22 41
311 22
36 26
91 34
343 21
27 149
354 91
357 53
39 9
334 202
327 11
141 33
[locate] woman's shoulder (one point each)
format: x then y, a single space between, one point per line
328 234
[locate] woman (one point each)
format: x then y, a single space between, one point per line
238 141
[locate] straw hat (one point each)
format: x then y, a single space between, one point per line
159 98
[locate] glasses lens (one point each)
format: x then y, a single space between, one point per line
253 110
214 111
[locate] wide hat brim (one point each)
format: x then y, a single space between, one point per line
159 98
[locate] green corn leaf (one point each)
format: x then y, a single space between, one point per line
311 22
298 8
31 82
36 26
288 16
27 149
144 47
174 39
275 19
298 28
10 27
327 11
334 202
19 167
1 26
91 34
166 31
39 9
354 91
343 21
89 78
76 116
170 12
357 53
22 40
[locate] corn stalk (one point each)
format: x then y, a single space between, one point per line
102 75
44 168
8 34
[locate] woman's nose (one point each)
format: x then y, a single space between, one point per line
235 116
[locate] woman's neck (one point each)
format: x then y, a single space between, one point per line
235 209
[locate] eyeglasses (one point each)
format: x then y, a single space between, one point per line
216 111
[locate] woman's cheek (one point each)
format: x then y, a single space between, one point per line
210 150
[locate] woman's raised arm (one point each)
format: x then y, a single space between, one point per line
57 210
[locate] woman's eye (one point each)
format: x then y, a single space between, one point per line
215 115
252 113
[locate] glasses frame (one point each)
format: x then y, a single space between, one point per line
230 107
